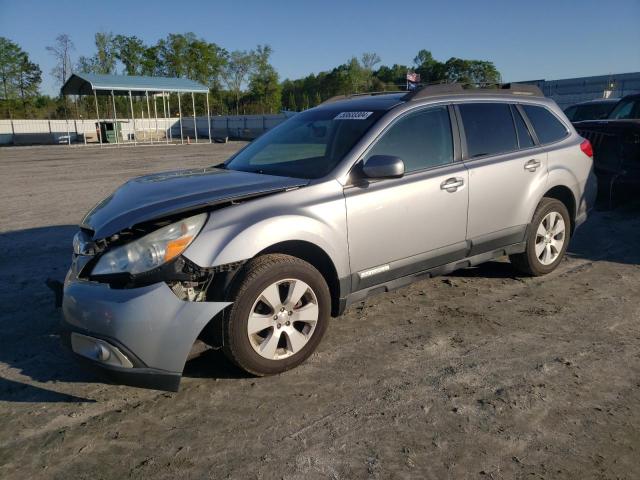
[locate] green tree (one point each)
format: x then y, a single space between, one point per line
430 69
454 70
20 77
105 58
392 77
205 62
471 71
28 79
368 61
263 81
173 53
291 103
151 64
357 76
305 101
185 55
10 57
236 72
130 51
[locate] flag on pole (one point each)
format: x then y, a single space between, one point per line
413 79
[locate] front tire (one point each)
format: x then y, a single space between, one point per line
547 239
281 309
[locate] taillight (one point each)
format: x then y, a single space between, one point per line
586 148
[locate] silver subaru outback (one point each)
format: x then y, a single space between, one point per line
360 195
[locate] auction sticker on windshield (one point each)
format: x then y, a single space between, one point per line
353 116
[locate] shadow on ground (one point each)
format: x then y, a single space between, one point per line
29 322
213 364
12 391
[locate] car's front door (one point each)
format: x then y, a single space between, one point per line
401 226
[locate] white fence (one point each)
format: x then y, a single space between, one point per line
30 132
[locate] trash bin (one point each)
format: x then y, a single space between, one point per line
110 131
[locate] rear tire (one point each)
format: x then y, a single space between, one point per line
281 309
547 239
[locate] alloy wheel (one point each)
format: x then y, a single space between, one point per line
550 238
283 319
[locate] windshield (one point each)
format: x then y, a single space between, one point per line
308 145
626 109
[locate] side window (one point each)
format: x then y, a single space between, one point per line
422 140
547 126
570 112
488 128
524 136
624 109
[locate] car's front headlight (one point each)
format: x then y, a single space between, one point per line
152 250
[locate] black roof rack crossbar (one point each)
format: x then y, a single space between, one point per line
459 88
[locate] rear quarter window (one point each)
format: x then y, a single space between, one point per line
548 128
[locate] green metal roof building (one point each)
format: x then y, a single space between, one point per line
85 84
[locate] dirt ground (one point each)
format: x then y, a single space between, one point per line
480 374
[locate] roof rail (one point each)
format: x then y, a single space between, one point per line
439 89
483 89
365 94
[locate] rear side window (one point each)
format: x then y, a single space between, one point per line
422 140
570 113
524 136
548 128
488 128
626 109
591 111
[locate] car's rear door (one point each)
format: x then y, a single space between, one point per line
506 170
400 226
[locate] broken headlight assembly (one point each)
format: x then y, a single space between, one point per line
151 251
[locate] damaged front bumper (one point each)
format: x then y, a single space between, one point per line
134 336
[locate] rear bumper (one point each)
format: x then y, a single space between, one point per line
139 336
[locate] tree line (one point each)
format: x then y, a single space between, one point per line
240 81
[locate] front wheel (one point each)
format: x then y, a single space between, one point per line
547 239
280 312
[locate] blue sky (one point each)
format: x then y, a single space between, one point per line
525 40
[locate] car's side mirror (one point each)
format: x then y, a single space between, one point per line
383 166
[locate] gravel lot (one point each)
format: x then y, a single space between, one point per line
480 374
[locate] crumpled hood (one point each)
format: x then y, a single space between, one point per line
162 194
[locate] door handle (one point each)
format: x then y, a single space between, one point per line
451 184
532 165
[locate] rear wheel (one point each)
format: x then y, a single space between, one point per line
280 312
547 239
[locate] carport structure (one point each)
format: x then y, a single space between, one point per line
89 84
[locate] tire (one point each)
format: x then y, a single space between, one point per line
264 281
534 261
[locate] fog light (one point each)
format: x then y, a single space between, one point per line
102 353
99 350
